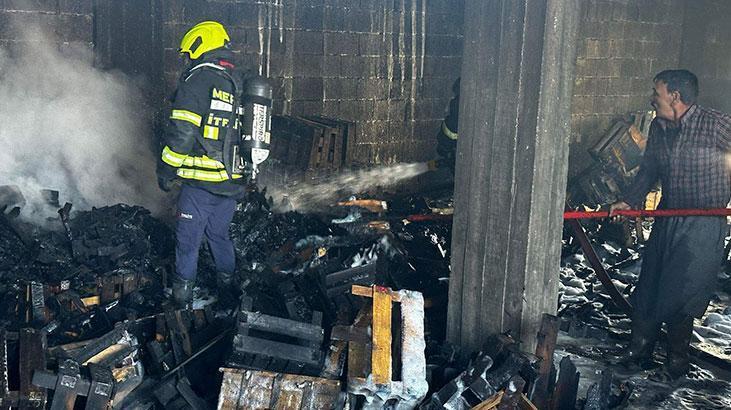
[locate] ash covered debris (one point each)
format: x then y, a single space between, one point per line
595 331
79 280
298 318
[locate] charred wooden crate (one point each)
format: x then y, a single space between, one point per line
104 371
306 147
252 389
594 187
277 344
623 145
618 155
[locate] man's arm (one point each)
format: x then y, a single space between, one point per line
183 126
646 177
723 132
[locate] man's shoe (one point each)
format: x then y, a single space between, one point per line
639 353
182 292
679 335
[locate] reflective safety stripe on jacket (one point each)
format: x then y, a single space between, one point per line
449 133
201 168
205 100
185 115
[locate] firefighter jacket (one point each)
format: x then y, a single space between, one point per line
203 115
447 137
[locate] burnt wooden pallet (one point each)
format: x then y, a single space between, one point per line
277 344
371 365
255 389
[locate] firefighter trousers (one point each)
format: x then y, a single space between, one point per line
203 214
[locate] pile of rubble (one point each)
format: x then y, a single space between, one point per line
595 329
86 319
343 307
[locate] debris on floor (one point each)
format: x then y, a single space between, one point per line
343 307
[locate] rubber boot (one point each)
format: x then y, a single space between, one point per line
642 345
679 334
182 292
224 279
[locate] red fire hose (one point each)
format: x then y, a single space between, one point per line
632 213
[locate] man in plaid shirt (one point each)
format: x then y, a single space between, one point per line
687 152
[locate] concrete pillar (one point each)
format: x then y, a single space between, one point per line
512 161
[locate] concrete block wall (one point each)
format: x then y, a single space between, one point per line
707 50
622 44
387 65
68 22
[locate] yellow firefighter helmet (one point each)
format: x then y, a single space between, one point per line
204 37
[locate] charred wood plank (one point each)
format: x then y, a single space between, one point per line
339 283
335 360
101 389
263 347
38 302
596 264
598 395
351 334
67 385
564 397
4 384
195 402
32 359
272 324
467 390
512 399
510 367
98 345
547 336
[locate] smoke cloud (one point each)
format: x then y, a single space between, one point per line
311 197
67 126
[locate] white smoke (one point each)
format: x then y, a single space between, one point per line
67 126
312 196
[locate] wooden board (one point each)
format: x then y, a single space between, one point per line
32 358
381 353
253 389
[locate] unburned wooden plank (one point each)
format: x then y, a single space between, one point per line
359 290
381 350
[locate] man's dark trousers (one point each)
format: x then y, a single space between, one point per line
201 213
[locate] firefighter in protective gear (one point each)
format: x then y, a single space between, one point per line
447 137
203 115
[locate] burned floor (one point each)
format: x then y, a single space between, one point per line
87 318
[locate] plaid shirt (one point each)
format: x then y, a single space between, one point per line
691 162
